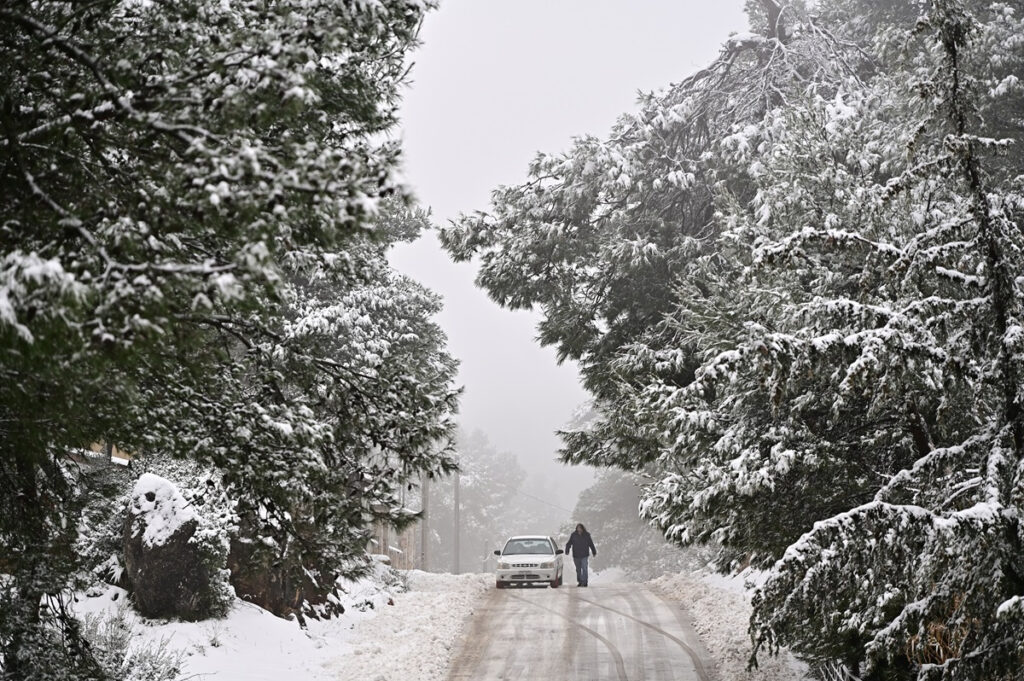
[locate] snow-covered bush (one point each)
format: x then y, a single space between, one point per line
100 542
390 579
111 635
374 588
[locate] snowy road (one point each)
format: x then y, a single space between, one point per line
619 632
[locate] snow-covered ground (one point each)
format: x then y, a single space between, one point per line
384 635
415 638
402 634
720 609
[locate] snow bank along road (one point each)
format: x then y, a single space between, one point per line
619 632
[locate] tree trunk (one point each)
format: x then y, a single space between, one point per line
25 608
776 26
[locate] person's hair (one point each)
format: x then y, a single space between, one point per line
579 526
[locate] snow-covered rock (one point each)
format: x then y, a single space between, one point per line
158 510
169 574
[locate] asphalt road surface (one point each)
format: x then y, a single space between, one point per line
618 632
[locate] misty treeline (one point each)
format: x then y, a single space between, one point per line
198 200
627 543
793 284
499 499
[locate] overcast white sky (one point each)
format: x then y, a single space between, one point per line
494 82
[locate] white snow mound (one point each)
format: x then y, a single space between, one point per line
161 507
417 636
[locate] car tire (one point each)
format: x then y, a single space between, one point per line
499 585
556 582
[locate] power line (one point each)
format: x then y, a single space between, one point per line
543 501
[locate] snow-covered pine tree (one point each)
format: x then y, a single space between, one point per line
924 579
845 328
176 179
327 416
840 339
598 235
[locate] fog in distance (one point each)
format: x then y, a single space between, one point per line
494 82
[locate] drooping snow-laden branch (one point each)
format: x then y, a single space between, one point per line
116 99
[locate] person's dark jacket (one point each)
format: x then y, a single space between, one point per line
581 544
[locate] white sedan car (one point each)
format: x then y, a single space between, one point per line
529 559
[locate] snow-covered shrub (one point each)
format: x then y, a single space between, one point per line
374 588
390 579
111 633
101 523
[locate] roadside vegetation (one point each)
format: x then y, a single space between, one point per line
791 283
198 201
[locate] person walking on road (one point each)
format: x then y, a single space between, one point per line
581 545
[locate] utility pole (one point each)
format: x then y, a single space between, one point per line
424 518
457 521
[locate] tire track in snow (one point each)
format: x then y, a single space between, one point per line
694 657
620 666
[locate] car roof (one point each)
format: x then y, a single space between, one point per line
529 536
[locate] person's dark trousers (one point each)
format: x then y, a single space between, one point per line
581 570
